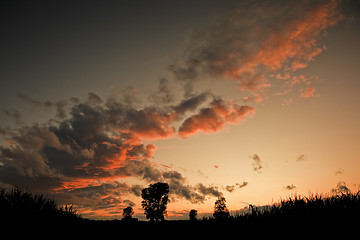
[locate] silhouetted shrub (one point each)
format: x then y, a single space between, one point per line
128 212
193 214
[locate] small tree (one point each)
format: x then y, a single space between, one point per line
220 210
155 201
128 212
193 214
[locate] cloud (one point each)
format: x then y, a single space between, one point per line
309 92
60 106
163 95
136 189
231 188
339 171
243 184
215 117
13 114
101 199
191 103
340 188
100 141
180 190
301 158
83 156
255 40
211 190
290 187
256 162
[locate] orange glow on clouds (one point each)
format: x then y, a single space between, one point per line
98 153
294 43
214 118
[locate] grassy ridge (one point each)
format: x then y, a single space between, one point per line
23 206
343 207
341 210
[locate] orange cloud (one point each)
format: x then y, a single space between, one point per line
293 41
254 41
309 92
215 117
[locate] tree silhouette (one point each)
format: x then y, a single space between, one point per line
155 201
128 212
192 214
220 210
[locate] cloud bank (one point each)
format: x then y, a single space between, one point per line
87 154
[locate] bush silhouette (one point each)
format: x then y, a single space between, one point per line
128 212
155 201
193 214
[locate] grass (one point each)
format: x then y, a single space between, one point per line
23 206
315 209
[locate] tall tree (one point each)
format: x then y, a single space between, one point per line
155 201
221 212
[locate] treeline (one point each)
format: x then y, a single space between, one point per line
343 205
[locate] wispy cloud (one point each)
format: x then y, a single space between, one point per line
309 92
257 40
256 162
290 187
301 158
232 188
339 171
341 188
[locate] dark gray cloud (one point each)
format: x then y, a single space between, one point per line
82 155
191 103
241 185
143 169
290 187
232 188
91 144
211 190
136 189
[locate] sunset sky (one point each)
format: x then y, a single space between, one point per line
251 100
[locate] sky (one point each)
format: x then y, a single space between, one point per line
254 101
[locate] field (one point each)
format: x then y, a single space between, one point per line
336 214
